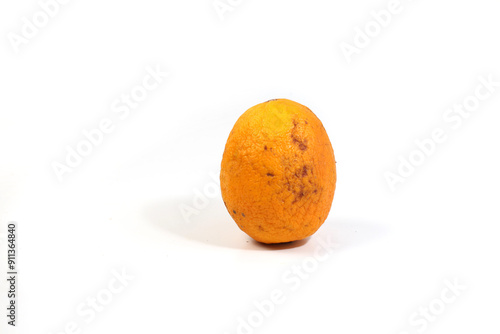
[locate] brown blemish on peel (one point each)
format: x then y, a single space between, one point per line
304 171
298 195
301 172
234 212
265 147
243 214
270 174
301 143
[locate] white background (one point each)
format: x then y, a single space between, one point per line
120 208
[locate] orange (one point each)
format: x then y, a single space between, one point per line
278 172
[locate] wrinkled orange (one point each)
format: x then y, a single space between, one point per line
278 172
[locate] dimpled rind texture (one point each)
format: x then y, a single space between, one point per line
278 172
